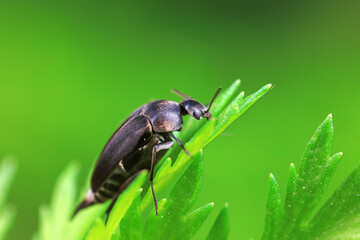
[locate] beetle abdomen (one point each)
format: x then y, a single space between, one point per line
112 184
126 140
121 176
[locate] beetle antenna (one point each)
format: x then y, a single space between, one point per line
212 100
177 92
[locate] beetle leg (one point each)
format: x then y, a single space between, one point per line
157 148
181 145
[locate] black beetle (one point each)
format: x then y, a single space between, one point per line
135 144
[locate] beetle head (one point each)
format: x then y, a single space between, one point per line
195 108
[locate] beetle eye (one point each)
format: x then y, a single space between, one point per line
197 114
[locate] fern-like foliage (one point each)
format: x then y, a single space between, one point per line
295 218
7 212
176 171
220 229
174 220
56 220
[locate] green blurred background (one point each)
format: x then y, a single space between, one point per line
71 72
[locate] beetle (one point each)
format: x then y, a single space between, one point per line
140 141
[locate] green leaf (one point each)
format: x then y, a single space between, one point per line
187 188
339 218
7 173
45 231
97 230
62 201
79 226
235 110
6 221
316 170
7 212
290 199
102 231
220 229
274 211
131 225
174 221
56 221
194 220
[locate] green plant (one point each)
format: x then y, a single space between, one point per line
183 176
7 212
296 217
133 215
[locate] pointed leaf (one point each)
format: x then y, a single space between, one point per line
339 218
80 225
236 109
7 173
194 220
290 200
220 229
316 170
170 223
6 221
97 231
274 211
131 224
7 212
63 201
54 220
187 188
45 229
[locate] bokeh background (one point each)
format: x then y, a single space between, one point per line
71 72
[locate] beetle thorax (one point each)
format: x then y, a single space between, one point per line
164 115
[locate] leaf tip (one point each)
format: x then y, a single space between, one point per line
272 179
329 118
269 85
238 81
143 172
